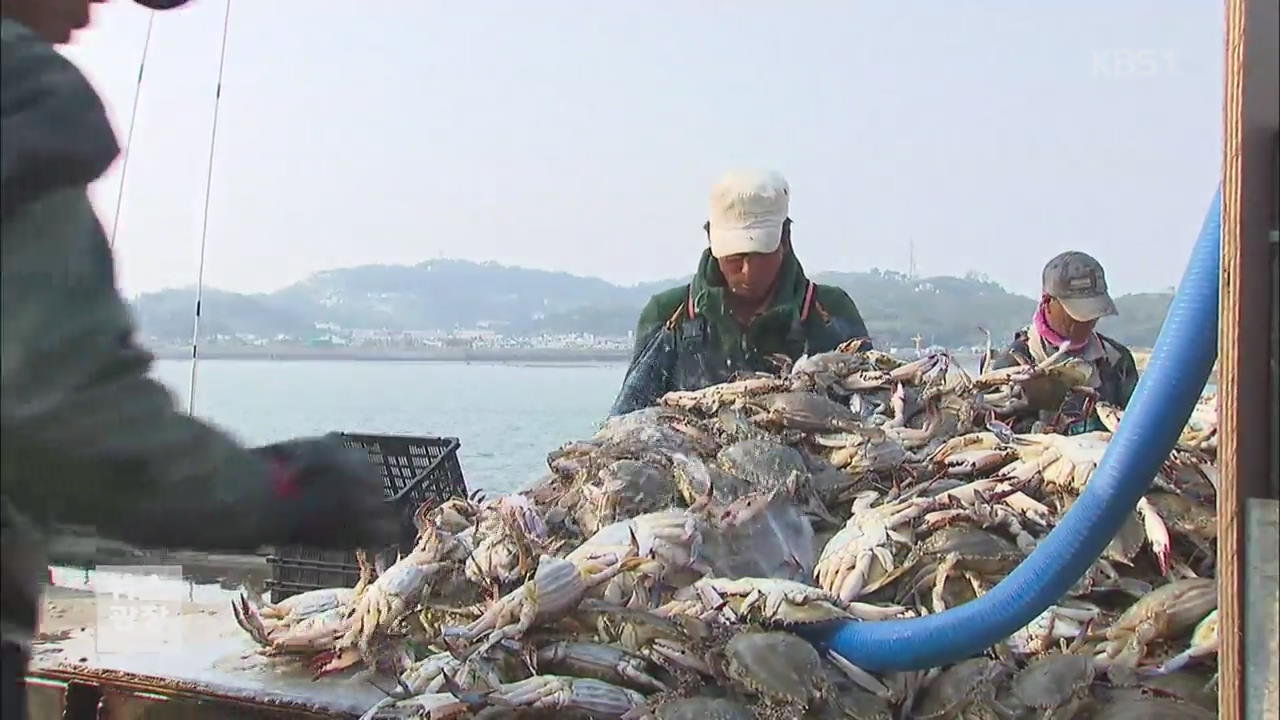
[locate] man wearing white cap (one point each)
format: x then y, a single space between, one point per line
749 301
1073 299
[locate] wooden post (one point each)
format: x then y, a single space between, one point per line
1252 70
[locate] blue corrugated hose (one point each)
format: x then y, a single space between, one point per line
1175 376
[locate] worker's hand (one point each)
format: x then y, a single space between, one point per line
329 495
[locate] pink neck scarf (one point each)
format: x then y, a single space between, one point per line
1048 334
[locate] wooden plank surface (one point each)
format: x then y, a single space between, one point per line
1249 122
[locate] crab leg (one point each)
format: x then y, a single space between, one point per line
852 584
863 678
868 611
670 651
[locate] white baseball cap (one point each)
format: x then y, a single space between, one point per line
748 208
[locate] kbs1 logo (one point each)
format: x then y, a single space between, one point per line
1122 63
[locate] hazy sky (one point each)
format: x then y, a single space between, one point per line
584 136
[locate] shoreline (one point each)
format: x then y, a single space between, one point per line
550 356
558 356
291 353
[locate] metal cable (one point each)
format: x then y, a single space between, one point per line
204 228
133 122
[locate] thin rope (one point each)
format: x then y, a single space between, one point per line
133 122
204 229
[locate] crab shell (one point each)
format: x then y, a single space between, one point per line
862 551
595 698
496 558
1198 686
303 605
777 666
978 549
1185 516
318 632
957 687
1133 704
974 549
670 535
1170 609
703 708
455 514
1053 681
635 487
556 587
845 699
433 706
427 675
872 450
805 412
609 663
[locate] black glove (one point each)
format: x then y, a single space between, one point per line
329 495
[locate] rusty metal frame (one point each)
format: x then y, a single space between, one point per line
93 685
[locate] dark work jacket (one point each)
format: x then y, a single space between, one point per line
687 338
1117 375
88 438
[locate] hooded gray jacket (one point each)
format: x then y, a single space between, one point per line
88 437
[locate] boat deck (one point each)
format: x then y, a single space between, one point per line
183 650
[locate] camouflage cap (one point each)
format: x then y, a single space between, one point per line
161 4
1078 282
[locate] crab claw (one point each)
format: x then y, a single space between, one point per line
793 559
980 498
249 620
392 695
781 362
332 661
451 645
1001 430
635 542
1173 664
1157 533
475 701
704 501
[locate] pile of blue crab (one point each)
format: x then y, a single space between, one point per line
660 568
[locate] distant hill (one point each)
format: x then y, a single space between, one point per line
447 295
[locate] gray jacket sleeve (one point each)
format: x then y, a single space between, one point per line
88 437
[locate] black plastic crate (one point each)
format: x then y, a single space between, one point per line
415 470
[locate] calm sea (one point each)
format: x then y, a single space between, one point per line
507 416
